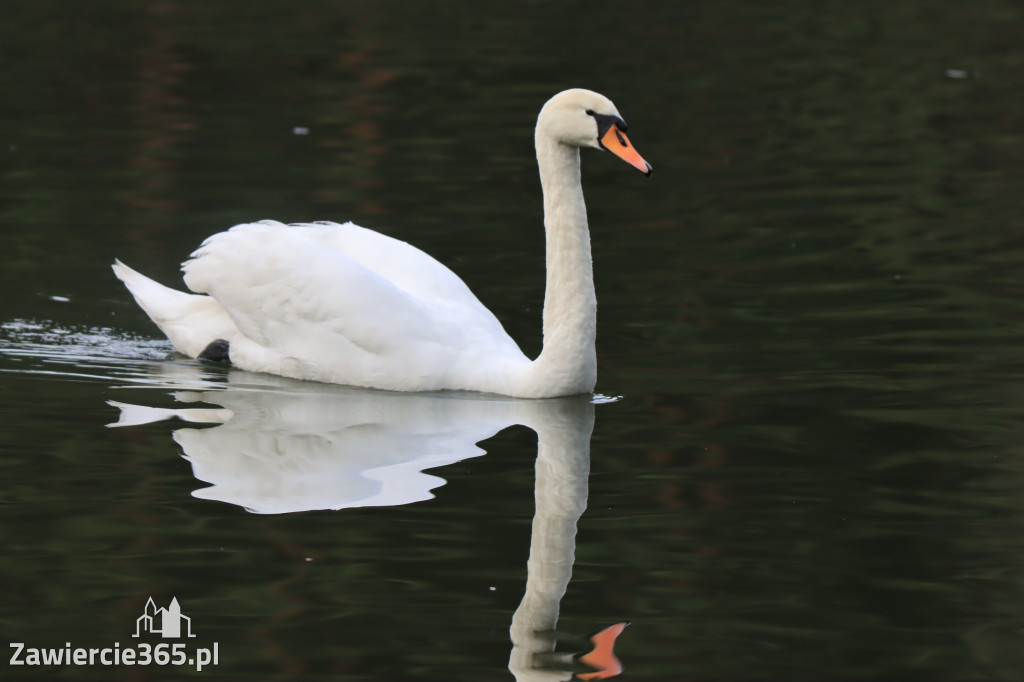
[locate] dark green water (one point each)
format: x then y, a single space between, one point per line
812 313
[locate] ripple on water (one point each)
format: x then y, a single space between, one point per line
44 347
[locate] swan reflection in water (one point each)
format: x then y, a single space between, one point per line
282 446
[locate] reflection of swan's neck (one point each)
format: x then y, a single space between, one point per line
563 465
568 363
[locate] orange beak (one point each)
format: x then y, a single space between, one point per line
615 141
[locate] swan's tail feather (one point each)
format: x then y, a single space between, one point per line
160 303
190 321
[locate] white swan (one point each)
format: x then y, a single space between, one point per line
347 305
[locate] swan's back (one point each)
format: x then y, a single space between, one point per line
399 262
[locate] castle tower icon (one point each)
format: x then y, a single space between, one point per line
167 621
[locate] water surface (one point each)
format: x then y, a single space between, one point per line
809 316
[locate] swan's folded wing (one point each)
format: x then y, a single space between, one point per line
289 291
399 262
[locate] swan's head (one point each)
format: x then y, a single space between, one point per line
584 118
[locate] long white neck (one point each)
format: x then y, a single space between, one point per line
568 362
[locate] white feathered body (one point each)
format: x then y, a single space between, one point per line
333 303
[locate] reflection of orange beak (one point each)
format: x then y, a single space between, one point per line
602 658
617 143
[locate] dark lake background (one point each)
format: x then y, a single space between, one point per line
812 315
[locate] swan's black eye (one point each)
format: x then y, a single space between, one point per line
590 112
